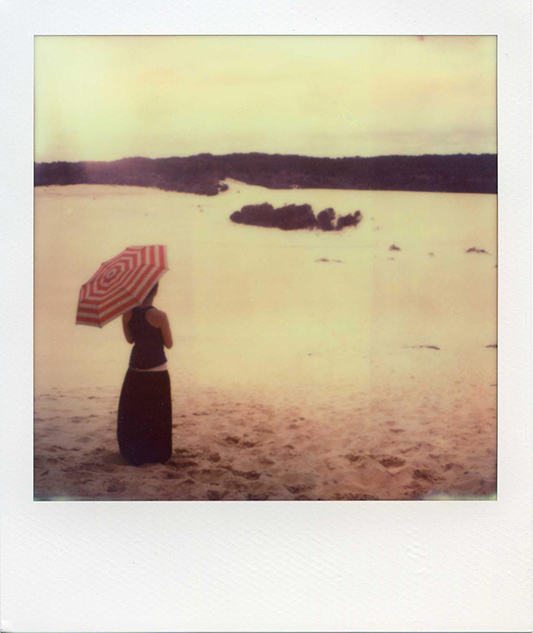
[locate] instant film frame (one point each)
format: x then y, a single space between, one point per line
318 363
453 566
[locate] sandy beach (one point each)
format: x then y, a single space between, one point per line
306 366
231 446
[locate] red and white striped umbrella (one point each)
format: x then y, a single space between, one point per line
120 284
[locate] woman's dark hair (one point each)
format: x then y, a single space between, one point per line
153 290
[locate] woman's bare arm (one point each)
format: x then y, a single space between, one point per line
127 332
159 319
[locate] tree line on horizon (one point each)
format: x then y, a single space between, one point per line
203 174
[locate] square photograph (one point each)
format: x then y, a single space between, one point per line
265 268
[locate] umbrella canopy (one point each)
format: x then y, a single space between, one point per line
120 284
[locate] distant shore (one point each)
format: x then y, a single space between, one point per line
204 174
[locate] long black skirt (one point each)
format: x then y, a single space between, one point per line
144 428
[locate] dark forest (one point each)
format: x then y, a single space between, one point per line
203 174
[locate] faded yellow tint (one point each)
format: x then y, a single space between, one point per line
310 346
107 97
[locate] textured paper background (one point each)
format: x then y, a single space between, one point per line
277 566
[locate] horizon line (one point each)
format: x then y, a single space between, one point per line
114 160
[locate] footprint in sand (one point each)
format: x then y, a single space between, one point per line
252 474
173 475
425 474
184 452
231 439
182 465
391 461
296 490
260 429
353 457
265 461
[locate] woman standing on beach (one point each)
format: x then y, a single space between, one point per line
144 429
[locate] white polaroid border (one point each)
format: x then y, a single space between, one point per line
276 566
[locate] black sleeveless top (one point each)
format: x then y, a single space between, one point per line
148 350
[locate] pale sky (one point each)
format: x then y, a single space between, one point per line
109 97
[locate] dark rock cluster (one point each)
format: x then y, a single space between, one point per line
293 217
476 250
